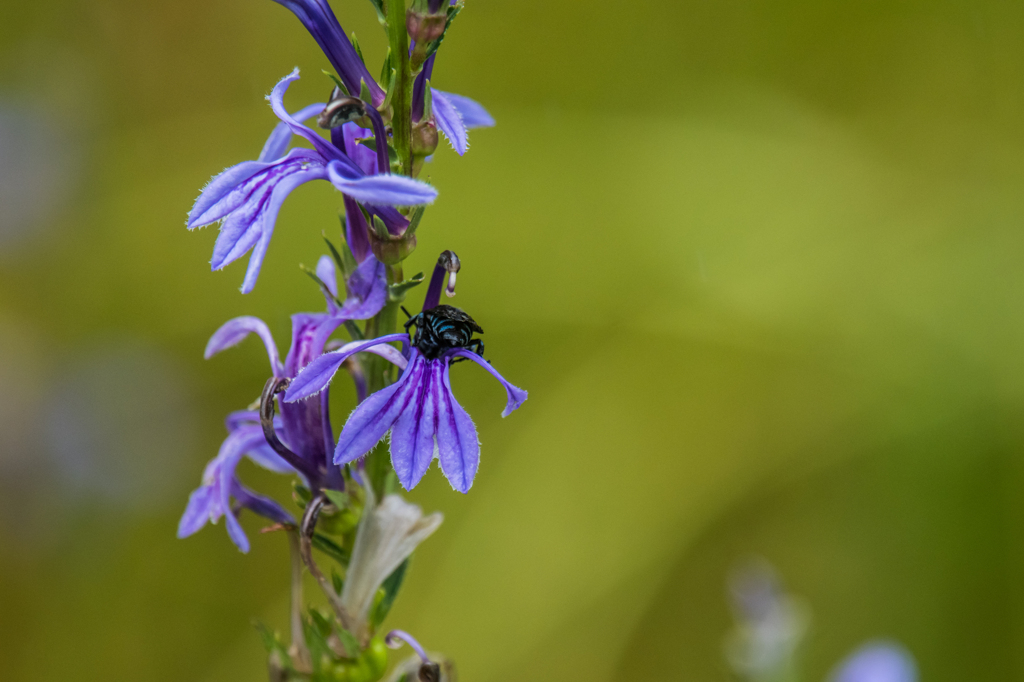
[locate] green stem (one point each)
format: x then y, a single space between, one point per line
401 100
379 373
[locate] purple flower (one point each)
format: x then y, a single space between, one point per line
319 20
246 198
454 114
300 439
877 662
420 410
213 498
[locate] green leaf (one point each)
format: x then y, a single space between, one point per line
364 92
338 583
322 623
348 641
371 143
337 498
385 70
331 548
391 90
301 494
378 5
272 642
380 229
392 584
396 292
337 81
428 102
359 50
322 284
414 219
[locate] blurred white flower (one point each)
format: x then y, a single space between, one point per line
387 535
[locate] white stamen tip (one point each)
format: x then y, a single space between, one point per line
450 289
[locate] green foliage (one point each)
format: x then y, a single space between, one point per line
392 584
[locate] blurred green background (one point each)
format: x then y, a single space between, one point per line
758 264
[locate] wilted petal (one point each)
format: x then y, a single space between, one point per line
234 332
386 189
375 416
877 662
457 440
449 122
277 144
516 395
387 535
319 373
473 114
412 436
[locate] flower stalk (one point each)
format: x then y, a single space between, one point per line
355 534
401 99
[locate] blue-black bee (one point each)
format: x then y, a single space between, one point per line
442 328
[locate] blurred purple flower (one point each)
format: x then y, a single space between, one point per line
420 410
877 661
212 499
246 198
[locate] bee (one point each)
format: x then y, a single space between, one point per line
443 328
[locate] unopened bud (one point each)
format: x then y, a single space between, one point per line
424 27
424 138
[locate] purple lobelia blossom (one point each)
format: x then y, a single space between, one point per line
877 662
319 20
213 498
419 409
246 198
300 439
454 114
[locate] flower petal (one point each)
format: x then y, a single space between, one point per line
473 114
327 150
388 533
261 504
319 373
319 20
265 223
389 190
412 436
516 395
450 122
457 440
281 137
197 513
325 271
877 662
368 289
373 417
233 332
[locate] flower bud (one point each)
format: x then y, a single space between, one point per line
393 250
425 27
424 138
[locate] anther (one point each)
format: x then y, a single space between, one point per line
450 262
341 109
